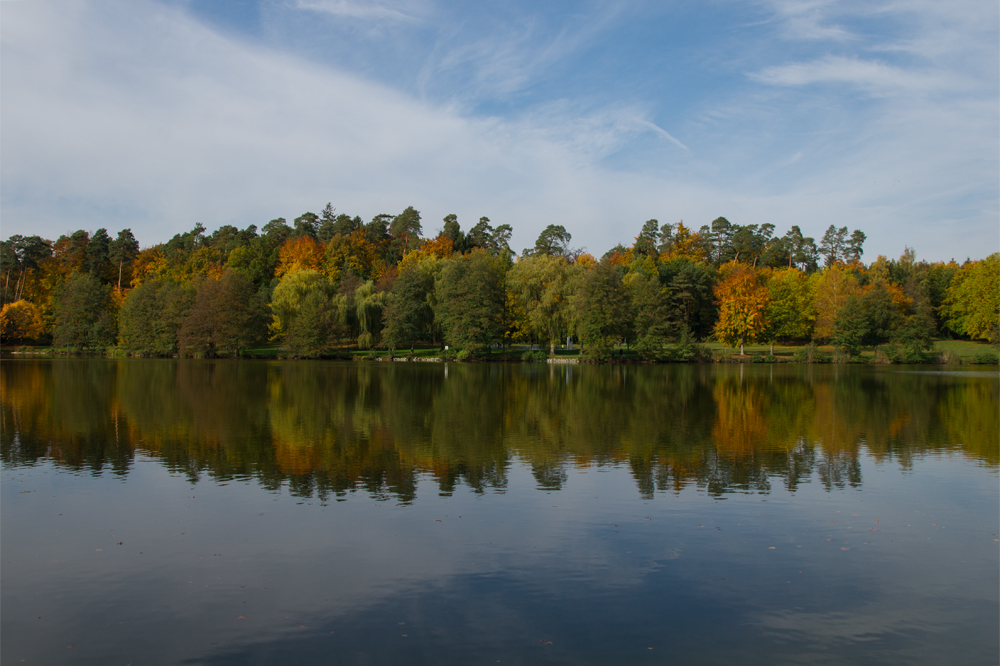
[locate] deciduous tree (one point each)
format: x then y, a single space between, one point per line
228 316
540 286
471 301
20 321
151 317
743 300
972 302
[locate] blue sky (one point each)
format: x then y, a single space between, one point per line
883 116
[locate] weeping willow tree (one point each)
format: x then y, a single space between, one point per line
369 304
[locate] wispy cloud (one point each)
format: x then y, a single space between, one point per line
877 77
365 10
808 20
503 55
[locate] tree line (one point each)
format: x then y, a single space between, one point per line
328 282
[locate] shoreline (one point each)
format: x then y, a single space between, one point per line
986 358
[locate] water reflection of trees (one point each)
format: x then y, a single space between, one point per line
326 429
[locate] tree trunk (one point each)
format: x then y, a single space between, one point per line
741 347
120 275
772 347
552 348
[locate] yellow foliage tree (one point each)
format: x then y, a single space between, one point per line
149 264
441 247
356 253
21 320
833 287
743 299
686 244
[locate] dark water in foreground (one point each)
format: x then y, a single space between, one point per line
183 512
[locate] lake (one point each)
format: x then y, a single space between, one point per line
264 512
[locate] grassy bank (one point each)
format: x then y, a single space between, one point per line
950 351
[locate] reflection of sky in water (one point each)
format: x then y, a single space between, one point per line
232 573
164 512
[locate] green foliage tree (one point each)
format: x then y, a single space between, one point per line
408 314
72 251
98 255
790 312
855 246
9 265
227 317
181 246
541 287
915 332
151 317
406 230
84 314
554 241
307 224
453 231
834 245
369 304
649 303
972 302
317 326
851 328
689 284
377 231
881 313
601 309
720 238
471 299
327 220
290 293
802 252
646 241
122 252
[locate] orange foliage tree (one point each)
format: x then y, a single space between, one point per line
685 243
300 254
743 299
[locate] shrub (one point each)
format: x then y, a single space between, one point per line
686 350
810 354
986 358
534 356
881 356
841 355
949 358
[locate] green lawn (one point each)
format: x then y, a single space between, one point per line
965 348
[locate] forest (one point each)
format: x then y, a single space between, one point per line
329 284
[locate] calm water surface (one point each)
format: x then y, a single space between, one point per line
187 512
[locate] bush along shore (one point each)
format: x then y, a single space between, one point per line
333 286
